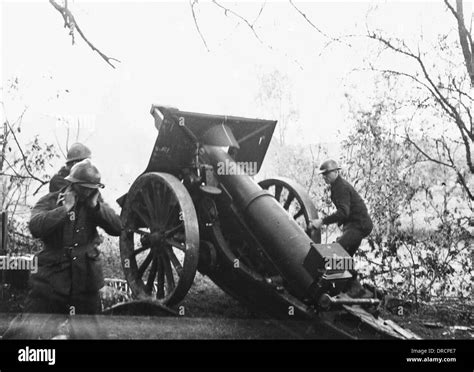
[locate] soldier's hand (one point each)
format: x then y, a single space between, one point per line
317 223
93 199
68 198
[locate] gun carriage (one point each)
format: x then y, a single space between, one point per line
197 207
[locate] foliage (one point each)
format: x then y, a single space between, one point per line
420 243
111 257
24 170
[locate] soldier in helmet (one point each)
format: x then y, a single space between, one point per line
69 273
351 211
76 153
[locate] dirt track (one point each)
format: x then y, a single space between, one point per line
205 299
208 312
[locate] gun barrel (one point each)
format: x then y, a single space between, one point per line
284 241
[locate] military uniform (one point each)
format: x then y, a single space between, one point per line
69 266
58 181
351 214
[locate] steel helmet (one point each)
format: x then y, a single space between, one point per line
328 166
77 152
85 174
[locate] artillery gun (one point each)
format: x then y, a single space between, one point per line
197 207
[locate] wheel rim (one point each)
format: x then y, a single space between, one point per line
296 201
159 244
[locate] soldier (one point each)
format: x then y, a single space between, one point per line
351 213
77 152
69 273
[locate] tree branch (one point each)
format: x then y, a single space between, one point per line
70 22
461 179
420 150
24 158
39 188
10 167
447 106
260 12
467 144
192 3
250 25
309 21
439 97
16 175
465 186
465 38
459 91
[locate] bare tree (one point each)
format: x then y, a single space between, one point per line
22 165
71 24
447 93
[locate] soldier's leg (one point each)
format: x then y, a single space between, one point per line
350 240
85 324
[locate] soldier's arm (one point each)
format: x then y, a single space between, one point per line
105 217
57 183
46 217
342 201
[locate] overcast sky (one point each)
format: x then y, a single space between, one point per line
165 61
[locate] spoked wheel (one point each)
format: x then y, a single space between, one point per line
296 201
159 245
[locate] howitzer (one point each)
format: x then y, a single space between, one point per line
197 207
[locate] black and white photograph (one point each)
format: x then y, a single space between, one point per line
250 171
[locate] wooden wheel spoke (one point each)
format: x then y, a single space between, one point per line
174 260
278 190
168 273
172 231
298 214
149 205
152 275
160 286
289 199
145 264
163 198
159 198
173 213
176 244
162 202
140 250
141 215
